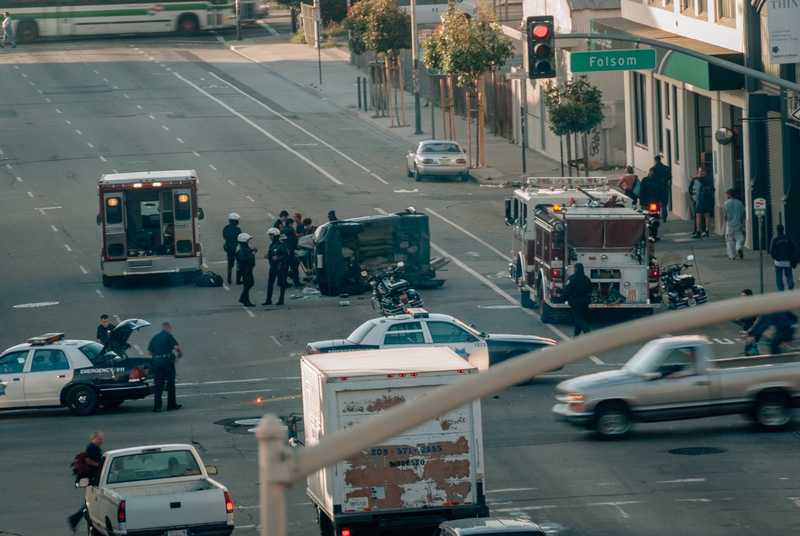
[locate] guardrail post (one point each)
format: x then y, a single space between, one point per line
274 470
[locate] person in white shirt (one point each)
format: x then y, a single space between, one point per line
735 214
8 31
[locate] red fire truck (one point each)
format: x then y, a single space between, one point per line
150 224
558 222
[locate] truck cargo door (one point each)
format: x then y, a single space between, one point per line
114 243
183 216
175 509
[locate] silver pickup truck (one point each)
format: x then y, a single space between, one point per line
678 378
160 490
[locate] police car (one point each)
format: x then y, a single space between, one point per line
50 370
421 328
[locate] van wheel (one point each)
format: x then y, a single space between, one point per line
82 400
27 31
772 411
612 420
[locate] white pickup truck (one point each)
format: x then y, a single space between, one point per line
160 490
678 378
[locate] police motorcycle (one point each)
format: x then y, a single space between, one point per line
391 294
653 213
679 287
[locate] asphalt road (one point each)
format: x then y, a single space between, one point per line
73 110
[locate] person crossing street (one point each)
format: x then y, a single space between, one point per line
8 31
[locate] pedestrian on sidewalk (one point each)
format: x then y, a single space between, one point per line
230 233
630 184
85 467
663 176
704 205
8 31
165 350
735 215
694 189
782 249
578 294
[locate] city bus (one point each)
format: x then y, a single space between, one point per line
63 18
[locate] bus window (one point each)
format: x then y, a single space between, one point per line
113 210
183 209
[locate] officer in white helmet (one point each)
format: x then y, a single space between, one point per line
230 233
245 262
278 256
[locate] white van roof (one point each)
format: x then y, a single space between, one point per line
149 176
388 361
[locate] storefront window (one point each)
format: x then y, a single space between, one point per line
640 103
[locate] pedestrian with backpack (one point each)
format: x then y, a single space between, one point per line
84 465
783 248
630 184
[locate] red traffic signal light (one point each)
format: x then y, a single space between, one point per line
541 47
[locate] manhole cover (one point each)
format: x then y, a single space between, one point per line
697 451
503 306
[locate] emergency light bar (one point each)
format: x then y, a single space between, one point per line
567 181
417 312
47 338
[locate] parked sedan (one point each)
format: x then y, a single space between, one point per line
437 157
51 371
421 328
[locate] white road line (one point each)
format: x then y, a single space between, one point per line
231 182
32 84
680 481
1 151
48 100
58 111
275 340
96 71
54 228
723 341
99 293
180 140
270 216
90 145
136 346
124 95
268 28
621 512
115 87
103 159
79 132
68 121
694 500
248 380
508 490
795 500
378 210
24 75
139 107
229 393
117 318
40 92
151 116
30 194
19 179
251 199
84 270
196 153
225 286
164 126
248 311
212 167
220 38
67 246
380 179
114 171
8 166
502 256
260 129
596 360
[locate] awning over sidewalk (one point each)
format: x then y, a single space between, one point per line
674 64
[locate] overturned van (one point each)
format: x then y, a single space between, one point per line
345 248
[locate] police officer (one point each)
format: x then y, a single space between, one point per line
278 256
289 237
161 348
332 215
577 293
245 262
230 233
104 329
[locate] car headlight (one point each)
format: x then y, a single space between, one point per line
570 398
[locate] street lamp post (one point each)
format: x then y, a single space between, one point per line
415 72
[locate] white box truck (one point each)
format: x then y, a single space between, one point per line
429 474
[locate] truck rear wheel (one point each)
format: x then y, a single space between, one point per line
612 420
772 411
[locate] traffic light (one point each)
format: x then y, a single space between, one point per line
541 47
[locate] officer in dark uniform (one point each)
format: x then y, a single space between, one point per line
577 293
278 256
104 329
289 237
161 348
281 221
245 263
230 233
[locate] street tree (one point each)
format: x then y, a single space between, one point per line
467 48
574 107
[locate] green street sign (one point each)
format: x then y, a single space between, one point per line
613 60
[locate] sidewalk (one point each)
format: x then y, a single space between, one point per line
722 277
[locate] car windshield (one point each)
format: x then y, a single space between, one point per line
643 361
472 330
92 351
361 331
152 466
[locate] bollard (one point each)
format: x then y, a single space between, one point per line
358 90
366 104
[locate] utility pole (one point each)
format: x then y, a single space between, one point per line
415 72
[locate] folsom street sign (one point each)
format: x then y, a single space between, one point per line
613 60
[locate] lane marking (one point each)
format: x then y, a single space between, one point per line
380 179
103 159
253 200
260 129
180 140
124 95
68 121
40 92
795 500
8 166
231 182
164 126
248 380
19 179
499 253
268 28
90 145
105 79
67 246
547 506
275 340
99 293
54 228
151 116
621 511
212 167
680 481
724 341
96 71
58 111
509 490
115 87
224 285
596 359
84 270
79 133
694 500
196 153
30 194
48 100
32 305
117 318
250 313
136 346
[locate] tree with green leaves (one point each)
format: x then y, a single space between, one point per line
574 107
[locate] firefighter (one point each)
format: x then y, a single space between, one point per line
278 256
245 262
231 234
578 294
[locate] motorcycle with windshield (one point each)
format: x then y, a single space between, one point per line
391 294
678 287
